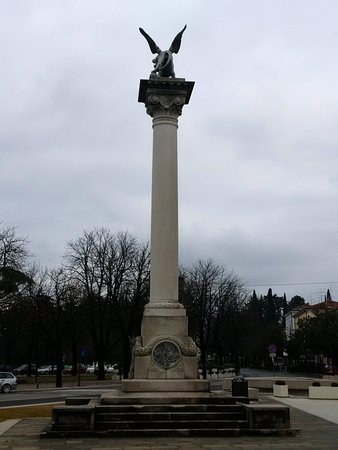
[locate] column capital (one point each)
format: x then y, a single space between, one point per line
165 96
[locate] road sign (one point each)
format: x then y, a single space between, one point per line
272 355
272 348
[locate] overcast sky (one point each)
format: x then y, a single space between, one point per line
258 159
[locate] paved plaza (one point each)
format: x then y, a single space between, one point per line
316 433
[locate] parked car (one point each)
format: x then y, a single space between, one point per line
46 370
70 370
67 370
330 370
91 369
94 369
7 382
112 367
23 369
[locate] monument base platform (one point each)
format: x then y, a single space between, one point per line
118 397
159 414
158 385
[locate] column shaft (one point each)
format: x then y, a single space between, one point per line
164 99
164 216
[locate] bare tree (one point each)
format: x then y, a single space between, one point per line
87 259
13 255
74 327
209 294
33 329
13 248
59 293
133 295
112 269
202 284
14 282
227 327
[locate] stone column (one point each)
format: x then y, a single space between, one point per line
165 357
164 99
164 210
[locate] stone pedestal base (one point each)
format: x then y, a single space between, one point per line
144 367
165 386
165 357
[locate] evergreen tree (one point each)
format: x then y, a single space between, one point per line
295 302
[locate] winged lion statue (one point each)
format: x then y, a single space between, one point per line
163 63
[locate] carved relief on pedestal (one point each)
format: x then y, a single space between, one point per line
188 349
166 354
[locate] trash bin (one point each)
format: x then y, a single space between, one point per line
240 387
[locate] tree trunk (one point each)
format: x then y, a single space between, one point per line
59 363
203 362
126 356
100 362
74 359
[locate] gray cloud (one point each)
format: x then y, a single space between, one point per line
257 144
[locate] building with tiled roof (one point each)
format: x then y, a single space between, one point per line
307 311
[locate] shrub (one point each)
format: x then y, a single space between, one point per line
280 382
316 383
334 384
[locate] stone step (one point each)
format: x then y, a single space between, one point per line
170 425
168 416
177 415
187 432
168 408
107 399
190 416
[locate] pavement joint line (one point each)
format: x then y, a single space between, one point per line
31 405
67 388
7 424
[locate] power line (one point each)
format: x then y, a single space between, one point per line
292 284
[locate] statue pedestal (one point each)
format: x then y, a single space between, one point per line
164 356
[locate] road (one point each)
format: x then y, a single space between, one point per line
27 395
246 372
48 395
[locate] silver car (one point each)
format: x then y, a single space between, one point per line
7 382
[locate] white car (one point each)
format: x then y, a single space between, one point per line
94 369
45 370
112 368
7 382
91 369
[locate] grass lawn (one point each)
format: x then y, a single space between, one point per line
24 412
